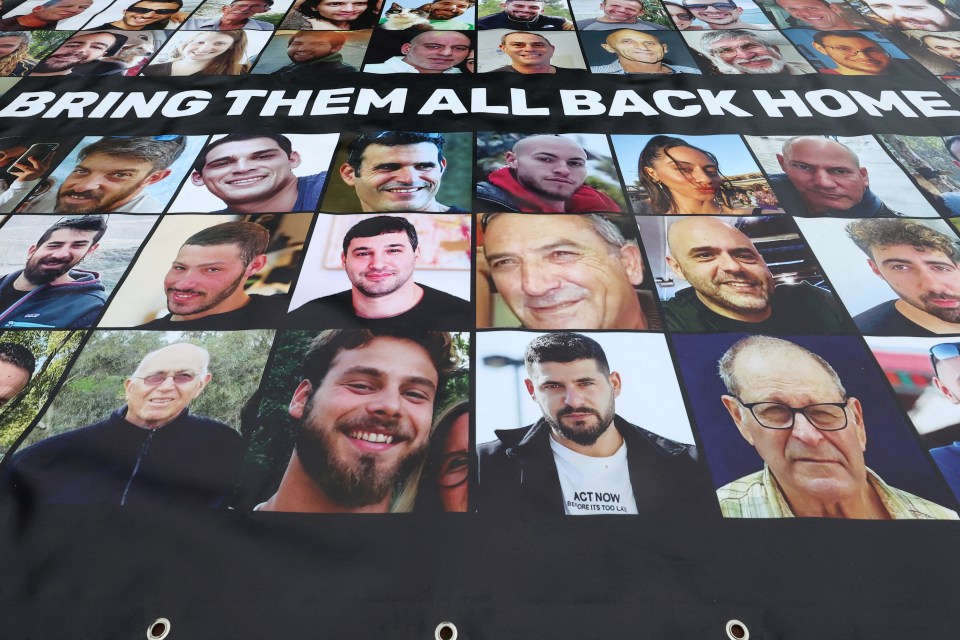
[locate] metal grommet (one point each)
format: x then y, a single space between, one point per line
158 629
736 630
445 631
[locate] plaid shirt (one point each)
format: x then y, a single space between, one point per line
759 496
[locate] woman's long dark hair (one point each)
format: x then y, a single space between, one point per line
311 9
661 200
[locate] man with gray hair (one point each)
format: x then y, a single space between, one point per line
150 451
567 271
739 51
811 438
823 177
111 175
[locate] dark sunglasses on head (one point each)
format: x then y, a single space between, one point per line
944 351
162 12
726 6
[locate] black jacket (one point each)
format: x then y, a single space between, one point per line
190 462
517 473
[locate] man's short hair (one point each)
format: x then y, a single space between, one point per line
948 142
503 38
19 356
179 3
820 35
325 347
727 361
251 238
282 141
160 153
96 222
603 226
889 232
563 346
118 41
711 37
390 139
379 225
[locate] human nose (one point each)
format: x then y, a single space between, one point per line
702 177
405 174
90 182
386 402
573 396
726 262
536 280
804 430
823 179
167 383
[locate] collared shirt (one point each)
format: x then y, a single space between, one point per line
758 495
213 24
617 68
397 64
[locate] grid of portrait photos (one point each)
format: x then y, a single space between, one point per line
312 39
495 322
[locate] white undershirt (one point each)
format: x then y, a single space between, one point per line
593 486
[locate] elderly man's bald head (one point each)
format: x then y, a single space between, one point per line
826 146
188 353
826 174
767 349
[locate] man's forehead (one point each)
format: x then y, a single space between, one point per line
210 253
369 356
389 238
526 37
559 229
103 38
440 37
552 369
756 364
939 41
423 150
855 42
552 145
620 36
240 147
821 151
70 235
107 162
736 42
909 251
173 358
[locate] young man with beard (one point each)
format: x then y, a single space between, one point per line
380 255
205 283
731 288
49 293
920 265
581 458
921 15
111 175
82 47
364 409
544 174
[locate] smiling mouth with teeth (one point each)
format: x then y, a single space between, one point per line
379 438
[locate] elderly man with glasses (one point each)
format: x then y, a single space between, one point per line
811 437
149 452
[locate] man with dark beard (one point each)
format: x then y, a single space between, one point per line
365 409
920 265
111 175
49 293
581 458
205 283
380 255
731 288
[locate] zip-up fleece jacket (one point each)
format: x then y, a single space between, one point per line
72 305
501 191
517 473
190 462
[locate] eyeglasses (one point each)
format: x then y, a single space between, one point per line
157 379
825 416
849 52
162 12
943 351
452 469
725 6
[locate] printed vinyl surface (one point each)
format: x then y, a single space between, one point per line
327 318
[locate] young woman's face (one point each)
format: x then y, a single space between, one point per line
9 44
207 46
686 171
341 10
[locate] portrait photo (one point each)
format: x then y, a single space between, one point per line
148 419
143 15
503 51
151 168
60 271
401 171
194 265
743 52
295 418
730 274
667 174
24 161
754 448
822 15
546 173
420 51
66 15
444 15
836 53
24 49
630 51
930 163
208 53
606 15
312 55
249 15
896 276
865 181
257 172
711 15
